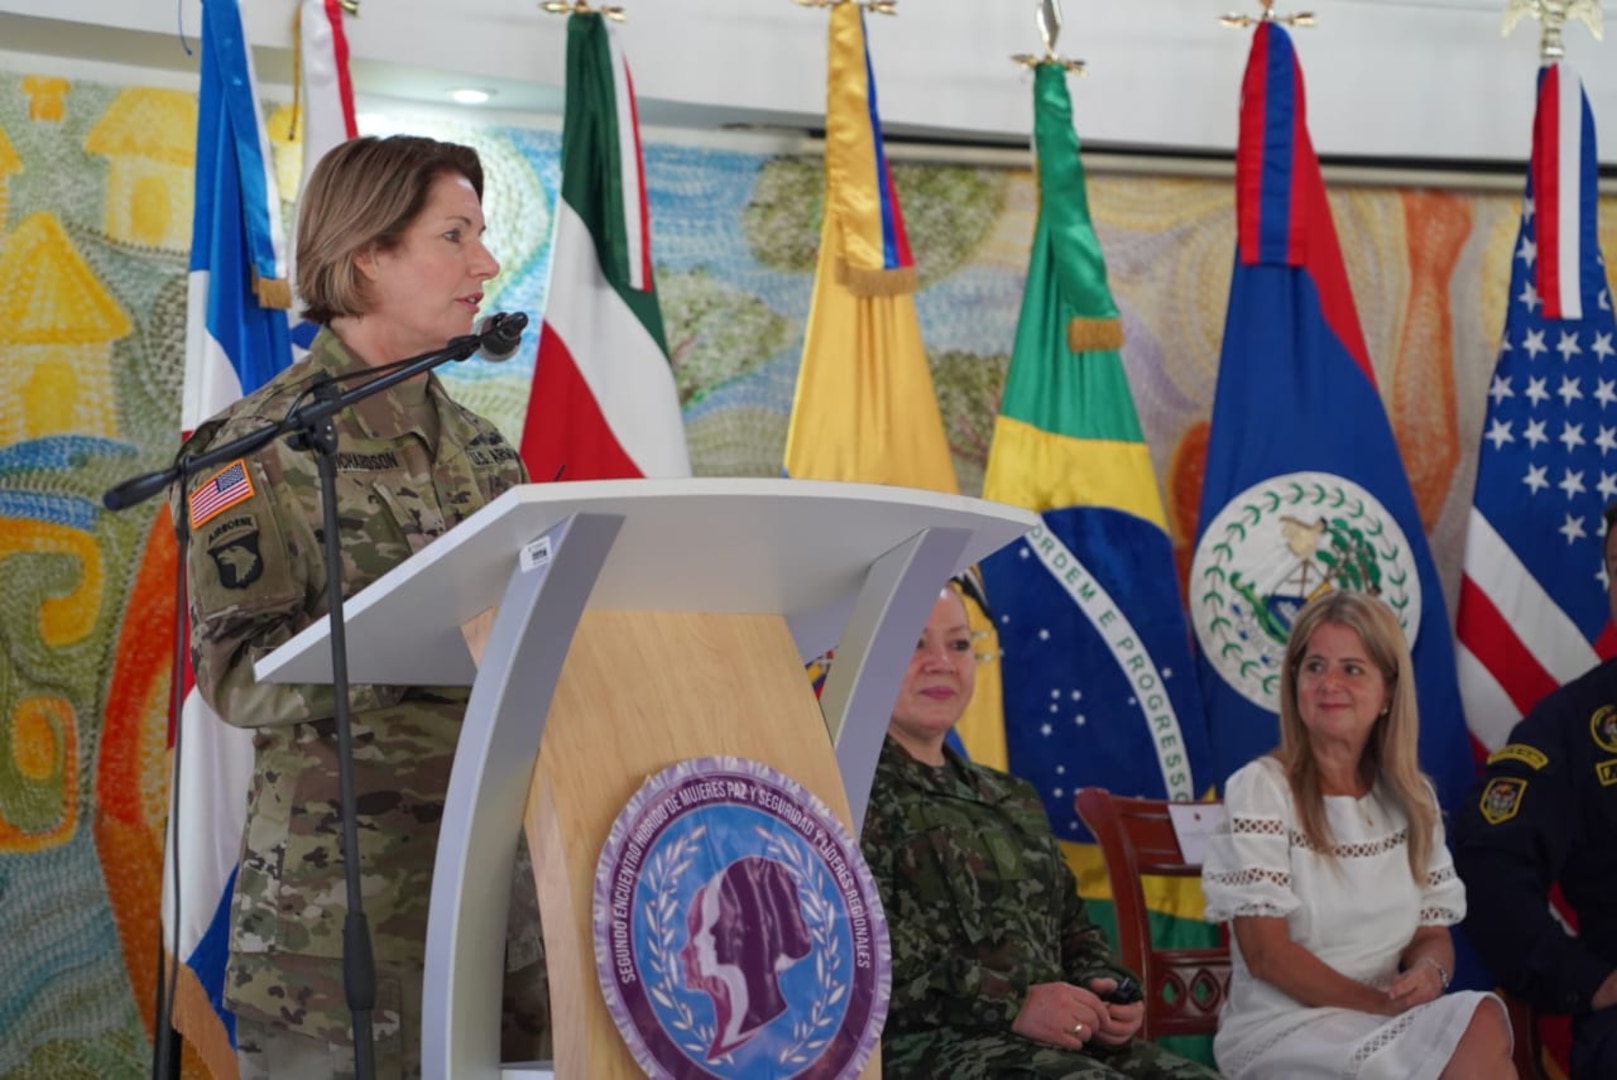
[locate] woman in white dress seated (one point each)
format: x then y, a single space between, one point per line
1334 876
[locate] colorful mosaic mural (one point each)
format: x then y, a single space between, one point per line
95 206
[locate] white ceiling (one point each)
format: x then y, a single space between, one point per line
1428 80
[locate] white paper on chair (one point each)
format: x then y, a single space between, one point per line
1193 823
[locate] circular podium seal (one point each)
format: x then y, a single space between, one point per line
738 932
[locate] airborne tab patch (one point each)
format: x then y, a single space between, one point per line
1502 798
1531 756
237 558
228 487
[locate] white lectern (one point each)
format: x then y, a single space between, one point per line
640 623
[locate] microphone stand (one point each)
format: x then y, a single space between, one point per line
311 427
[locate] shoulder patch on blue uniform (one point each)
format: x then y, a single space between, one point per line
1531 756
1603 728
1502 798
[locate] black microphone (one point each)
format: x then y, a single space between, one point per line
501 335
136 490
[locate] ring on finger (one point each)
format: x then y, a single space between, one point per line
1078 1031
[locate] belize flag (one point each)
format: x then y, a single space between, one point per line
236 341
1304 491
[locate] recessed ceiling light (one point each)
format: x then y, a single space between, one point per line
468 96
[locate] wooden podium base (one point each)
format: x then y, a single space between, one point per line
644 690
651 574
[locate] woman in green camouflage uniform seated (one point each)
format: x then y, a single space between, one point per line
997 971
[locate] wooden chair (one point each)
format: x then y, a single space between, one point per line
1184 988
1528 1053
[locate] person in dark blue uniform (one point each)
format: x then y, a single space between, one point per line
1544 813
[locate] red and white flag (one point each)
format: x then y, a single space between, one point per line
1559 154
1533 609
604 404
325 115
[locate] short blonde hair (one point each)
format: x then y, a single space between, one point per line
1391 756
363 195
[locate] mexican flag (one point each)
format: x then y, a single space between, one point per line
603 404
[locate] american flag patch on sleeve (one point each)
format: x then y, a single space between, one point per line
224 489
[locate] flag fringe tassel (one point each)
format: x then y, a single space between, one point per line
1094 335
199 1025
273 293
874 284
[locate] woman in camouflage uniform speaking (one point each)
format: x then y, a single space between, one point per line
391 264
997 971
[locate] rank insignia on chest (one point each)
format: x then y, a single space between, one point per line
1606 772
1603 728
1502 798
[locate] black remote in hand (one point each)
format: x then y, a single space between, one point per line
1126 992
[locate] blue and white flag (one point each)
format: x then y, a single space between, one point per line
236 341
236 332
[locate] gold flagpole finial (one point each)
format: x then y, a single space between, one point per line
1302 18
876 7
1552 16
583 7
1049 16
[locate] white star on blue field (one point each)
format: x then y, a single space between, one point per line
1073 713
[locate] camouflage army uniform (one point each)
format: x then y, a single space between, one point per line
257 576
981 905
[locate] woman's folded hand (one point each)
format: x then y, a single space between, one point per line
1415 986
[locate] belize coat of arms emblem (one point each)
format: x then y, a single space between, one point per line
1276 546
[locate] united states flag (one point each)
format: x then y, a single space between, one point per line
1533 609
227 488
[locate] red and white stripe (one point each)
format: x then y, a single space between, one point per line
326 116
636 211
1557 173
588 328
327 93
1515 642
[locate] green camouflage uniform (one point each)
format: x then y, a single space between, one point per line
981 905
257 575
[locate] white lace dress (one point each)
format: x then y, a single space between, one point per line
1356 916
